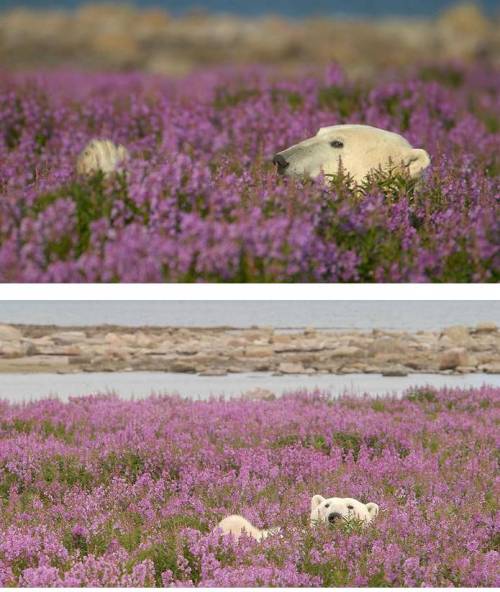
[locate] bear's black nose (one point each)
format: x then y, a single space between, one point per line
281 162
333 517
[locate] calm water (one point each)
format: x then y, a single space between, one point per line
27 387
407 315
290 8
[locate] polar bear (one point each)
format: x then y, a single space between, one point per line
358 149
101 155
336 509
237 525
332 510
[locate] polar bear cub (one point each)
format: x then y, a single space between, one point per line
237 525
336 509
331 510
358 149
101 155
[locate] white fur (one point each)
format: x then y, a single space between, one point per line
331 510
100 155
336 509
237 525
365 148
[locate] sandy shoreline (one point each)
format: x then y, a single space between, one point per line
224 350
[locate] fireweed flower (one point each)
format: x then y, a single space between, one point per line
200 200
101 491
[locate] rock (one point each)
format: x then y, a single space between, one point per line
30 349
289 368
13 349
458 333
213 372
446 342
39 361
183 367
236 342
282 338
9 333
257 351
80 360
299 347
490 368
262 367
113 339
258 394
395 371
348 370
54 350
253 336
453 358
387 344
187 350
345 351
68 337
142 340
485 328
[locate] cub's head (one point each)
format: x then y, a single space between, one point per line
335 509
358 149
101 155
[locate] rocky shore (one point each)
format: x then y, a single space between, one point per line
117 37
223 350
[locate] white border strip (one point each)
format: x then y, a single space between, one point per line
249 292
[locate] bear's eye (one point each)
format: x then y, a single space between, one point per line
350 507
337 144
327 505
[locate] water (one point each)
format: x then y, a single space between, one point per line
289 8
339 314
29 387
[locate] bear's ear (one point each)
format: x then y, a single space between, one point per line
417 161
372 509
316 500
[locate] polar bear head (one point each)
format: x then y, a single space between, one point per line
336 509
358 149
101 155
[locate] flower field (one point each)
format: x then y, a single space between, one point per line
104 492
201 201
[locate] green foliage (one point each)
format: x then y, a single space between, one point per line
394 107
378 405
75 544
129 465
332 572
318 442
343 100
7 480
422 396
57 430
164 555
294 99
285 441
349 443
394 184
94 199
67 470
379 580
23 426
224 98
446 75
